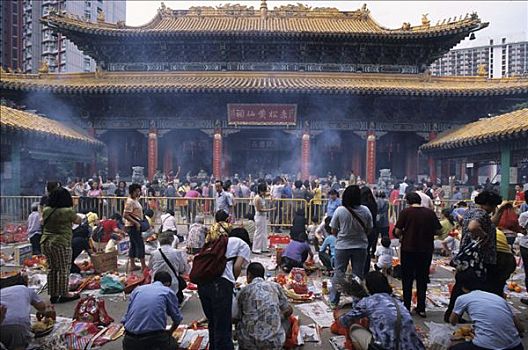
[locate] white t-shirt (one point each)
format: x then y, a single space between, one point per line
403 187
494 327
18 300
384 256
523 222
427 202
168 222
235 247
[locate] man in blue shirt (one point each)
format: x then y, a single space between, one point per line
146 317
495 325
333 202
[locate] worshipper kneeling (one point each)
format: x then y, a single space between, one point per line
328 259
390 322
261 309
15 328
495 325
296 253
196 235
145 320
384 254
172 261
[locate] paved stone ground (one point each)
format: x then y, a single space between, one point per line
192 311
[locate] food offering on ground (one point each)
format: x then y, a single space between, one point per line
463 333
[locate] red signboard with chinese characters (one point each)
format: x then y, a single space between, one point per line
371 157
261 114
152 153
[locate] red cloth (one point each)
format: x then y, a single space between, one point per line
519 196
394 196
108 228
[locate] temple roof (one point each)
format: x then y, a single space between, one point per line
504 127
274 82
16 120
289 20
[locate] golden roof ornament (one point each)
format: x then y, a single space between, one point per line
406 26
263 9
482 70
364 11
100 16
425 21
121 24
44 68
2 70
164 10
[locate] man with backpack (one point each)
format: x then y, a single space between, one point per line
215 270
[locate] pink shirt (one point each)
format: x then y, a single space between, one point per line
192 194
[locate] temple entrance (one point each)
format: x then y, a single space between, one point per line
263 152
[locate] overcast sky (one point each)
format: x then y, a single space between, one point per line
506 18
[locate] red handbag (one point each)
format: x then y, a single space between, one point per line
90 309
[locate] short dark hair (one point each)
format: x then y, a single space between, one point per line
333 192
462 204
468 279
219 182
488 197
262 188
298 184
52 186
170 212
133 187
413 198
149 213
60 198
164 277
352 196
256 270
376 282
221 216
386 242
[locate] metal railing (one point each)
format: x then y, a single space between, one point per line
16 209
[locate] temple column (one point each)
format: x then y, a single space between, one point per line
305 156
462 170
505 171
152 153
431 161
371 157
217 154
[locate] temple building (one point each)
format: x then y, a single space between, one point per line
35 148
502 140
294 89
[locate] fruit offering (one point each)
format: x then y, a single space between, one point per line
464 333
514 287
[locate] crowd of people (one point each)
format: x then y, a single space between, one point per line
481 240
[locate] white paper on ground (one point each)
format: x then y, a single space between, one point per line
319 312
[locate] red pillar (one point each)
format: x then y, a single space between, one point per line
93 162
431 161
217 154
371 157
152 154
167 159
305 156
